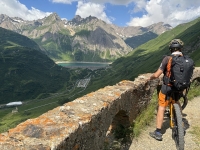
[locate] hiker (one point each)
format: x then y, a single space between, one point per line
175 47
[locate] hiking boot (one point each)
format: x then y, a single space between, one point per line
156 135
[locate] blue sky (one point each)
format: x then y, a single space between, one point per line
118 12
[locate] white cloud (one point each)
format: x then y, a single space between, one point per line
14 8
63 1
172 12
139 5
115 2
86 9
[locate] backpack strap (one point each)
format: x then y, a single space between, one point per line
168 73
167 78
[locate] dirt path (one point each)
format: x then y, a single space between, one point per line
192 118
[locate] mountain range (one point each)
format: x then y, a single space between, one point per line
82 39
29 75
39 35
25 63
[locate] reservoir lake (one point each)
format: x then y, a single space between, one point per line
89 65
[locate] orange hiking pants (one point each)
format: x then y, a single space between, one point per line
162 101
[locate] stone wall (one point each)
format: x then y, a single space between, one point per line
87 123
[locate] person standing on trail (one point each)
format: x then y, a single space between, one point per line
175 47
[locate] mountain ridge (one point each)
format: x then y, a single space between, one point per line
56 29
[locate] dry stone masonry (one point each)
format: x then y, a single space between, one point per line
87 123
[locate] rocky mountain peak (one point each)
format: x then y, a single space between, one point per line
167 26
49 20
17 20
52 17
90 18
3 17
77 20
159 28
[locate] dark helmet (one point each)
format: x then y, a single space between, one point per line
176 44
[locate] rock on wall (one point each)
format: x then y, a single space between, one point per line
85 123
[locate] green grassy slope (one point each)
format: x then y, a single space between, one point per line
147 57
26 72
11 39
140 39
55 43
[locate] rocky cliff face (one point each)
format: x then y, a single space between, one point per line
83 39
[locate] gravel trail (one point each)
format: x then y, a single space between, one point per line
192 118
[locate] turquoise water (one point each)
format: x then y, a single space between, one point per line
83 64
